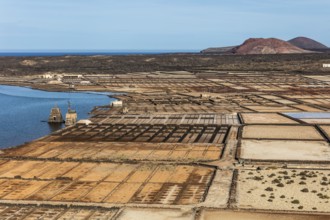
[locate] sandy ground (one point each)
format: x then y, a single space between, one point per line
103 182
285 150
326 129
231 215
266 118
271 97
284 189
52 213
119 151
218 193
28 62
262 108
281 132
155 214
308 108
322 78
316 120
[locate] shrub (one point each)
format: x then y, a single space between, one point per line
275 181
295 201
272 175
257 178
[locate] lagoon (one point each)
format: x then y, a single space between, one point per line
24 111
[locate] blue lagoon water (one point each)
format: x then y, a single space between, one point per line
24 111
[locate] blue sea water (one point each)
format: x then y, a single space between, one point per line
91 53
24 111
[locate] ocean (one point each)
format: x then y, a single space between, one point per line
90 53
24 111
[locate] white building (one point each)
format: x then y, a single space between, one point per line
54 82
117 104
205 96
47 76
73 76
84 121
85 82
326 65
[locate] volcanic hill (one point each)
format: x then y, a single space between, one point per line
266 46
307 43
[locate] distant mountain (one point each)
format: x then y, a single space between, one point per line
218 50
266 46
271 46
307 43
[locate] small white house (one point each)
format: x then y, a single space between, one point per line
85 82
84 121
117 104
205 96
326 65
53 82
47 76
73 76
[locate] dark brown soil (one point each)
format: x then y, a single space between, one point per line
295 63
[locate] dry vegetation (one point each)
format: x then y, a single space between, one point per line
306 63
284 189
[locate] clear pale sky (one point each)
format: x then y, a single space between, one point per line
156 24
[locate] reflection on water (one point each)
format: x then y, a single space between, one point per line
55 126
24 112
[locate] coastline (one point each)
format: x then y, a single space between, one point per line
44 88
31 129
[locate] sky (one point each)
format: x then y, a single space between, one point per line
105 25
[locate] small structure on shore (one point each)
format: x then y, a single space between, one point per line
205 96
117 104
85 122
47 76
55 115
71 116
325 65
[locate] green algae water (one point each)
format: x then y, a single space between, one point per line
24 111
